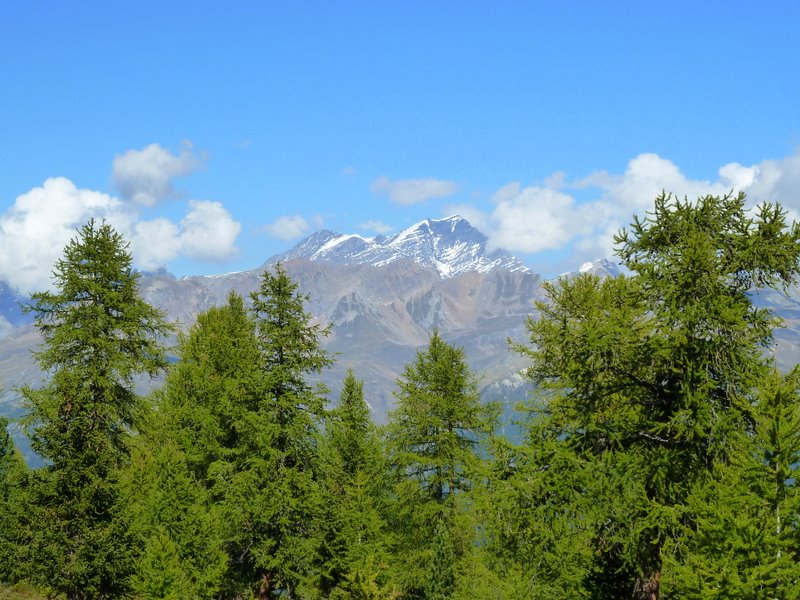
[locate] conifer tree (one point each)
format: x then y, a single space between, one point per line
98 335
652 378
351 527
211 389
175 523
192 435
434 438
13 475
270 483
744 538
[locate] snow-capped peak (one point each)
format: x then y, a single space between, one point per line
451 246
601 267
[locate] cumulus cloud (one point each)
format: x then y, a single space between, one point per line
287 227
208 232
154 243
35 229
376 226
548 217
413 191
145 176
534 218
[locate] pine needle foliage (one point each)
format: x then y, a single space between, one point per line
652 377
435 437
270 483
353 536
98 334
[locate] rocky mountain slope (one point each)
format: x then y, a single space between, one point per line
383 297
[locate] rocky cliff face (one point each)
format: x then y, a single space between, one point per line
382 314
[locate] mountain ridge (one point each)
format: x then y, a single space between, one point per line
383 296
451 246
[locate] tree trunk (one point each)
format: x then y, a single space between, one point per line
265 587
646 587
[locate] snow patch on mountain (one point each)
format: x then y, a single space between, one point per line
451 246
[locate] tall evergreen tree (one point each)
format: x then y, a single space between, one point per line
434 438
98 335
652 377
213 386
193 435
744 538
270 483
351 526
175 523
13 475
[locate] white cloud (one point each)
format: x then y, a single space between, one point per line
555 181
145 176
413 191
35 229
287 227
208 232
154 243
376 226
777 181
547 217
534 219
350 171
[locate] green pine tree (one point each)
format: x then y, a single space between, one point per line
434 437
13 476
176 524
351 527
269 486
651 378
743 540
191 444
539 521
98 335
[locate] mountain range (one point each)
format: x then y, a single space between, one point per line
383 296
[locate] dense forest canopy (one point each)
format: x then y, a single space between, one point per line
659 459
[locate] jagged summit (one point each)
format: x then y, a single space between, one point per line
451 246
602 267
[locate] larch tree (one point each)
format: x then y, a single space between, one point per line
98 334
434 437
269 485
744 541
351 527
651 378
13 479
190 446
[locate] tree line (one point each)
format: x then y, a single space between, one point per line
659 459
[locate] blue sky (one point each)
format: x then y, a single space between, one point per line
216 135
